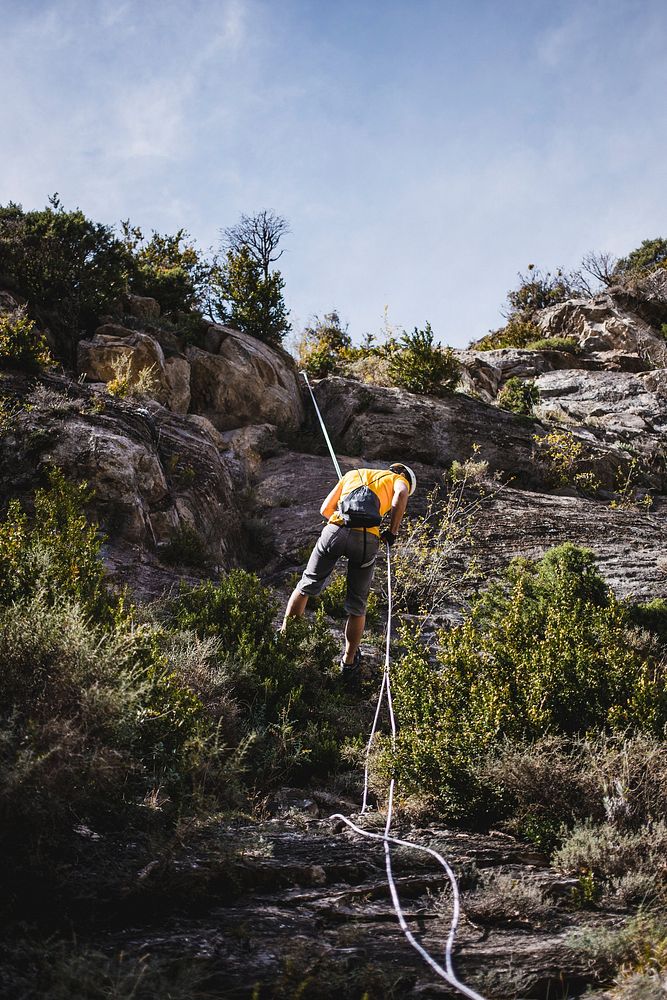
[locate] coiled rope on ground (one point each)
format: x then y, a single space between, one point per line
447 972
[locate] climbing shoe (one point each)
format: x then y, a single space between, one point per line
350 673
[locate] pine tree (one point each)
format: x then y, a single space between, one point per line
250 302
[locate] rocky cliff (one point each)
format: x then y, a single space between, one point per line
225 464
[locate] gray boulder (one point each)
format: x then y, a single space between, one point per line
96 357
177 381
602 324
246 382
142 307
624 404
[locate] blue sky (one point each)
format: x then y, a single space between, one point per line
423 151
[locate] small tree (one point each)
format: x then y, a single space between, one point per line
21 345
69 268
651 254
169 268
248 301
536 291
260 235
519 395
601 267
323 344
421 366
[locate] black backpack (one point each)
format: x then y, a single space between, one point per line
361 507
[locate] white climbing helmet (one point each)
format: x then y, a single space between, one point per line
404 470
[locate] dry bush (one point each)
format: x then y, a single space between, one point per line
550 784
66 970
434 552
374 369
557 782
502 897
200 664
605 851
128 384
639 948
634 889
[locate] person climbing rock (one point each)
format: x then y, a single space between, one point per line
354 511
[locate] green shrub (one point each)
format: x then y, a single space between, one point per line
185 548
250 301
423 367
55 552
630 486
651 615
516 333
332 601
565 461
544 650
21 344
290 703
570 345
69 268
427 558
646 257
169 268
537 290
322 346
93 728
519 395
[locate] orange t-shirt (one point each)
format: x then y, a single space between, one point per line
380 481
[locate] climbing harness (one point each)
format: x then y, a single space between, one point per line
447 972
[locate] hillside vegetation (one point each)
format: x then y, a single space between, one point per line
137 722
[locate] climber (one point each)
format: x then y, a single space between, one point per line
354 510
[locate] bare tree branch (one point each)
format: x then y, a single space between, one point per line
600 266
260 234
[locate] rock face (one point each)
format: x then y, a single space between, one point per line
318 900
177 379
601 324
487 371
625 404
631 545
237 380
194 461
96 357
245 382
158 478
142 308
385 424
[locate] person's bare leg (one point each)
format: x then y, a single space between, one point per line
296 607
354 629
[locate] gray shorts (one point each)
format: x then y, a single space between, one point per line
334 542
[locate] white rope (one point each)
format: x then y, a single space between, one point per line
324 430
447 973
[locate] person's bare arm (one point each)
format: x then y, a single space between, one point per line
331 501
398 505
